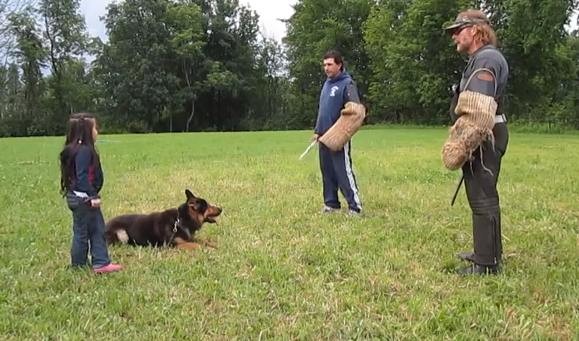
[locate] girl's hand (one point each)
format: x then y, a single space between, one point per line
95 203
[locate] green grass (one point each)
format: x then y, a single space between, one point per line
282 272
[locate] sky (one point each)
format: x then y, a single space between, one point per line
93 9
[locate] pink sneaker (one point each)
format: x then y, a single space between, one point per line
108 268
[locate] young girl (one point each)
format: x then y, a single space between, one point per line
81 180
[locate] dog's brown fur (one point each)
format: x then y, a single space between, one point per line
175 227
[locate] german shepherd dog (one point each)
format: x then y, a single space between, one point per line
174 227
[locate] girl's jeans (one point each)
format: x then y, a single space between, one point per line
88 232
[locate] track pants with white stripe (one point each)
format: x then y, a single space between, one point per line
337 174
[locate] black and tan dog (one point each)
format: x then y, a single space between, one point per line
175 227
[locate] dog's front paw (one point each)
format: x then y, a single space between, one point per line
209 246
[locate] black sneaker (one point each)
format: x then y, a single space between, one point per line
327 209
353 213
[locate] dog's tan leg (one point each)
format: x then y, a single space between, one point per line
188 245
208 245
182 244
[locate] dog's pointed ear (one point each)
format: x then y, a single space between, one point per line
189 194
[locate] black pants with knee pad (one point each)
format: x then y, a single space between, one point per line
480 180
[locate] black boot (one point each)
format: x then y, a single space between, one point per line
488 248
468 256
487 256
476 269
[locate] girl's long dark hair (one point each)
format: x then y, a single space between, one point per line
78 131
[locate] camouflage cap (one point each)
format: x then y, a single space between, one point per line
463 21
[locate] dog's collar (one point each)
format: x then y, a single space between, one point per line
177 223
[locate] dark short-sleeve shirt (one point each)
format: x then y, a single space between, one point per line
492 83
487 57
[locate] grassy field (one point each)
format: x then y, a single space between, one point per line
283 272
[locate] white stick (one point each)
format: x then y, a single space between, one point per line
307 149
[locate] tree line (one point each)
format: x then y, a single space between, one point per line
203 65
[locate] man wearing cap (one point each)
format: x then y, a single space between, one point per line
481 92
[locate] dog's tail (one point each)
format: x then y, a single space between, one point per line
116 236
122 236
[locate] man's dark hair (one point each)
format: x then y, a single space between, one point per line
337 56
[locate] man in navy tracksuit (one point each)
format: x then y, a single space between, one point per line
336 167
